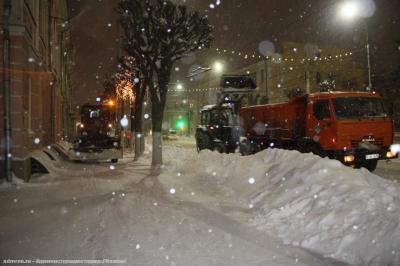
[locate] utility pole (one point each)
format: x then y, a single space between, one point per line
6 90
368 57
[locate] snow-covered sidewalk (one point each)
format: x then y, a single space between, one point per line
89 213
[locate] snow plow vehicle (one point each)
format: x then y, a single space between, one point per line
98 134
352 127
219 128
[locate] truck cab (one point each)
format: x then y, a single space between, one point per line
218 129
353 127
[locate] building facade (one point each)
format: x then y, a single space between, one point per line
40 86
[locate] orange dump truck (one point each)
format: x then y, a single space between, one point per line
352 127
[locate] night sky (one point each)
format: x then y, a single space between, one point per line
239 25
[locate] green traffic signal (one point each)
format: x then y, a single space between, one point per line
180 124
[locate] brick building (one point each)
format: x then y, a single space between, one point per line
40 84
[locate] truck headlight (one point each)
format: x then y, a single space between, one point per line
348 158
390 154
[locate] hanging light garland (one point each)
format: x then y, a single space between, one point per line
195 90
279 59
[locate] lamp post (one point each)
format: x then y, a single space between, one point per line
186 102
348 11
217 69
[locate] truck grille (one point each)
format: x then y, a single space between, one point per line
377 141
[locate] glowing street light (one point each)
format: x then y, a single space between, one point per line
111 103
350 10
179 87
218 67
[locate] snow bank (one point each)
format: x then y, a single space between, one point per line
319 204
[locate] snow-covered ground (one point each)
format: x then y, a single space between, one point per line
114 211
318 204
273 208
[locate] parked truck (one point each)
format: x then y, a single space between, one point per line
352 127
98 134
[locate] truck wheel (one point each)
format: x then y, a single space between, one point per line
316 149
370 165
114 160
248 148
202 141
219 147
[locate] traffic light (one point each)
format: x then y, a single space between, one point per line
180 123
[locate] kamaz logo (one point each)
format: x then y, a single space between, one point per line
369 139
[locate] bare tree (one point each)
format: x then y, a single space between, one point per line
158 33
130 87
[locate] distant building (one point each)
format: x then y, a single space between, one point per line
41 57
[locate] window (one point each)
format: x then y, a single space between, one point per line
321 110
204 118
214 117
95 114
358 107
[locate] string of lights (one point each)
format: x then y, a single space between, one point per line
255 55
194 90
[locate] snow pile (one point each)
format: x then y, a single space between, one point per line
319 204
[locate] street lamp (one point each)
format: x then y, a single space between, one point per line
218 67
179 87
352 9
348 10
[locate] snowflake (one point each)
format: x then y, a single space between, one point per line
252 180
172 191
36 140
124 121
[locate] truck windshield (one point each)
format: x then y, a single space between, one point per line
358 107
224 117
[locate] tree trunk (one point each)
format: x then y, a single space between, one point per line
158 98
138 124
157 117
